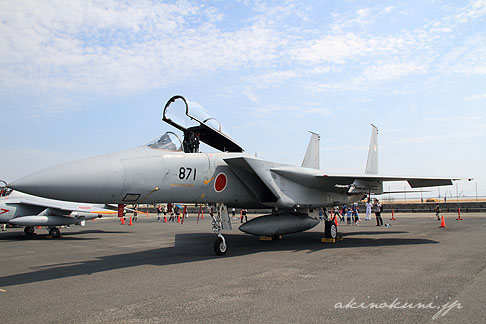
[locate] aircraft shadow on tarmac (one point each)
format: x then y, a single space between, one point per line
193 247
65 236
373 233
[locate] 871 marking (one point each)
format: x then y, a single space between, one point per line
187 173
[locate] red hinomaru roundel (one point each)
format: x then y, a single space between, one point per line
220 182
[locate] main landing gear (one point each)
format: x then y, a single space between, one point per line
29 230
54 232
330 230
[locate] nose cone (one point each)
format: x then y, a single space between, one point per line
98 180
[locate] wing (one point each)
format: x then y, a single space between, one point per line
319 180
286 186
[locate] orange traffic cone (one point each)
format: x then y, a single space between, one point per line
202 214
122 220
442 222
393 215
335 221
130 224
165 218
459 214
179 218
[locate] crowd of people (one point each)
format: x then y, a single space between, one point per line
350 214
173 210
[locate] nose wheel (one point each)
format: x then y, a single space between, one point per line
220 246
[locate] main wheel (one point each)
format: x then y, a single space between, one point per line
29 230
54 232
333 231
220 247
330 230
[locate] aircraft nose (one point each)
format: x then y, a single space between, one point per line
98 180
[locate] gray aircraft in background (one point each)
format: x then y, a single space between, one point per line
20 209
171 170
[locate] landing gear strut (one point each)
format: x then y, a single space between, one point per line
220 246
29 230
54 232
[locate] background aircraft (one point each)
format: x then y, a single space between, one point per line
21 209
162 172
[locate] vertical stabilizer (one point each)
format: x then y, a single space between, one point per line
372 163
311 158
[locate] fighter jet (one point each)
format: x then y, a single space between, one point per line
21 209
171 170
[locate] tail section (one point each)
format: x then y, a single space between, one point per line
311 158
372 163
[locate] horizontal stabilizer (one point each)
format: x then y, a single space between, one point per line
419 183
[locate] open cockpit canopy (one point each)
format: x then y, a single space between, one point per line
197 125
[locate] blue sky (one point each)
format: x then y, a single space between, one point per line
80 78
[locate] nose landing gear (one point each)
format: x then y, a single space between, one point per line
220 245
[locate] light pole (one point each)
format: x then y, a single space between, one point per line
476 191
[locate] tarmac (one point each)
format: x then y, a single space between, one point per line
154 272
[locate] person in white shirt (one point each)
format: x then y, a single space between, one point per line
368 209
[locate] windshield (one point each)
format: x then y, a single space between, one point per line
168 141
4 191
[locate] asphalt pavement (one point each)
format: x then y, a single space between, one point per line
411 272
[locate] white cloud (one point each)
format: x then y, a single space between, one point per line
317 111
473 62
475 97
106 47
341 48
472 11
250 94
116 47
459 134
390 71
